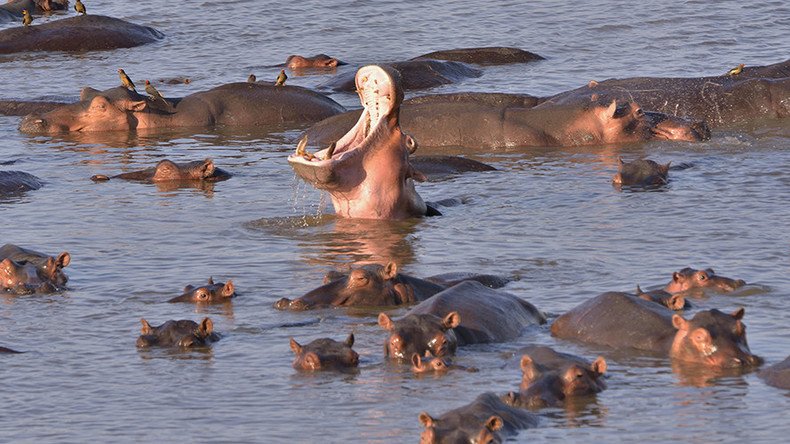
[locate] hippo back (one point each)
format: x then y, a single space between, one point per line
777 375
486 315
473 415
618 320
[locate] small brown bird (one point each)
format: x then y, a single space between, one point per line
126 82
153 92
281 78
251 78
735 71
26 18
80 8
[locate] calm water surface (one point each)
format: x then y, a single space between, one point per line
549 218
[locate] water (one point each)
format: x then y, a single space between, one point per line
549 217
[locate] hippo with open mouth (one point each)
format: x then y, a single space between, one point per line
367 172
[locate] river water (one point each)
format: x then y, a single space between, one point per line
549 218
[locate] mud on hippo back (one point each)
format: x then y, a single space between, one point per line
230 105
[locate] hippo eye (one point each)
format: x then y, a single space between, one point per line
703 276
639 112
202 295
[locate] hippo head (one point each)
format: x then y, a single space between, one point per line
466 432
297 62
370 285
23 278
325 354
198 170
428 364
713 339
207 294
52 269
640 172
690 279
571 379
183 333
662 297
367 172
116 109
420 333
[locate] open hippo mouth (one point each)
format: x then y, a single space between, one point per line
367 171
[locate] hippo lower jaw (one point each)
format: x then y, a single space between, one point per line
367 172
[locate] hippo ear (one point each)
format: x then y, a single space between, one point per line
188 288
88 93
228 289
676 302
676 277
350 339
411 144
738 313
680 323
620 161
207 169
665 168
385 321
426 420
494 423
136 105
296 347
599 365
206 326
211 280
452 320
390 270
312 361
146 329
528 368
416 361
63 260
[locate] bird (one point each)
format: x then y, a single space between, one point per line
153 92
126 82
281 78
26 18
735 71
80 8
251 78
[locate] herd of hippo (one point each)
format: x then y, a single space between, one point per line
364 159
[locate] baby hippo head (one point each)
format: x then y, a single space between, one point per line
22 278
325 354
420 333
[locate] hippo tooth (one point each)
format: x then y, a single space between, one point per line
330 151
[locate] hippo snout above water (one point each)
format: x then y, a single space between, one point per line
690 280
325 354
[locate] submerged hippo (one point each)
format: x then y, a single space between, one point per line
721 101
15 182
485 420
432 364
777 375
691 280
167 170
78 33
183 333
325 354
12 10
640 173
711 338
43 270
7 350
467 313
369 285
232 105
550 377
297 62
414 74
367 172
662 297
484 121
493 55
207 294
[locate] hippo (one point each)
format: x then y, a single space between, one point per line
48 268
8 350
438 168
325 354
21 278
640 173
207 294
367 172
432 364
369 285
493 55
689 280
229 105
15 182
297 62
25 107
12 10
414 74
183 333
77 33
550 377
485 420
467 313
167 170
711 338
777 375
721 101
662 297
482 121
